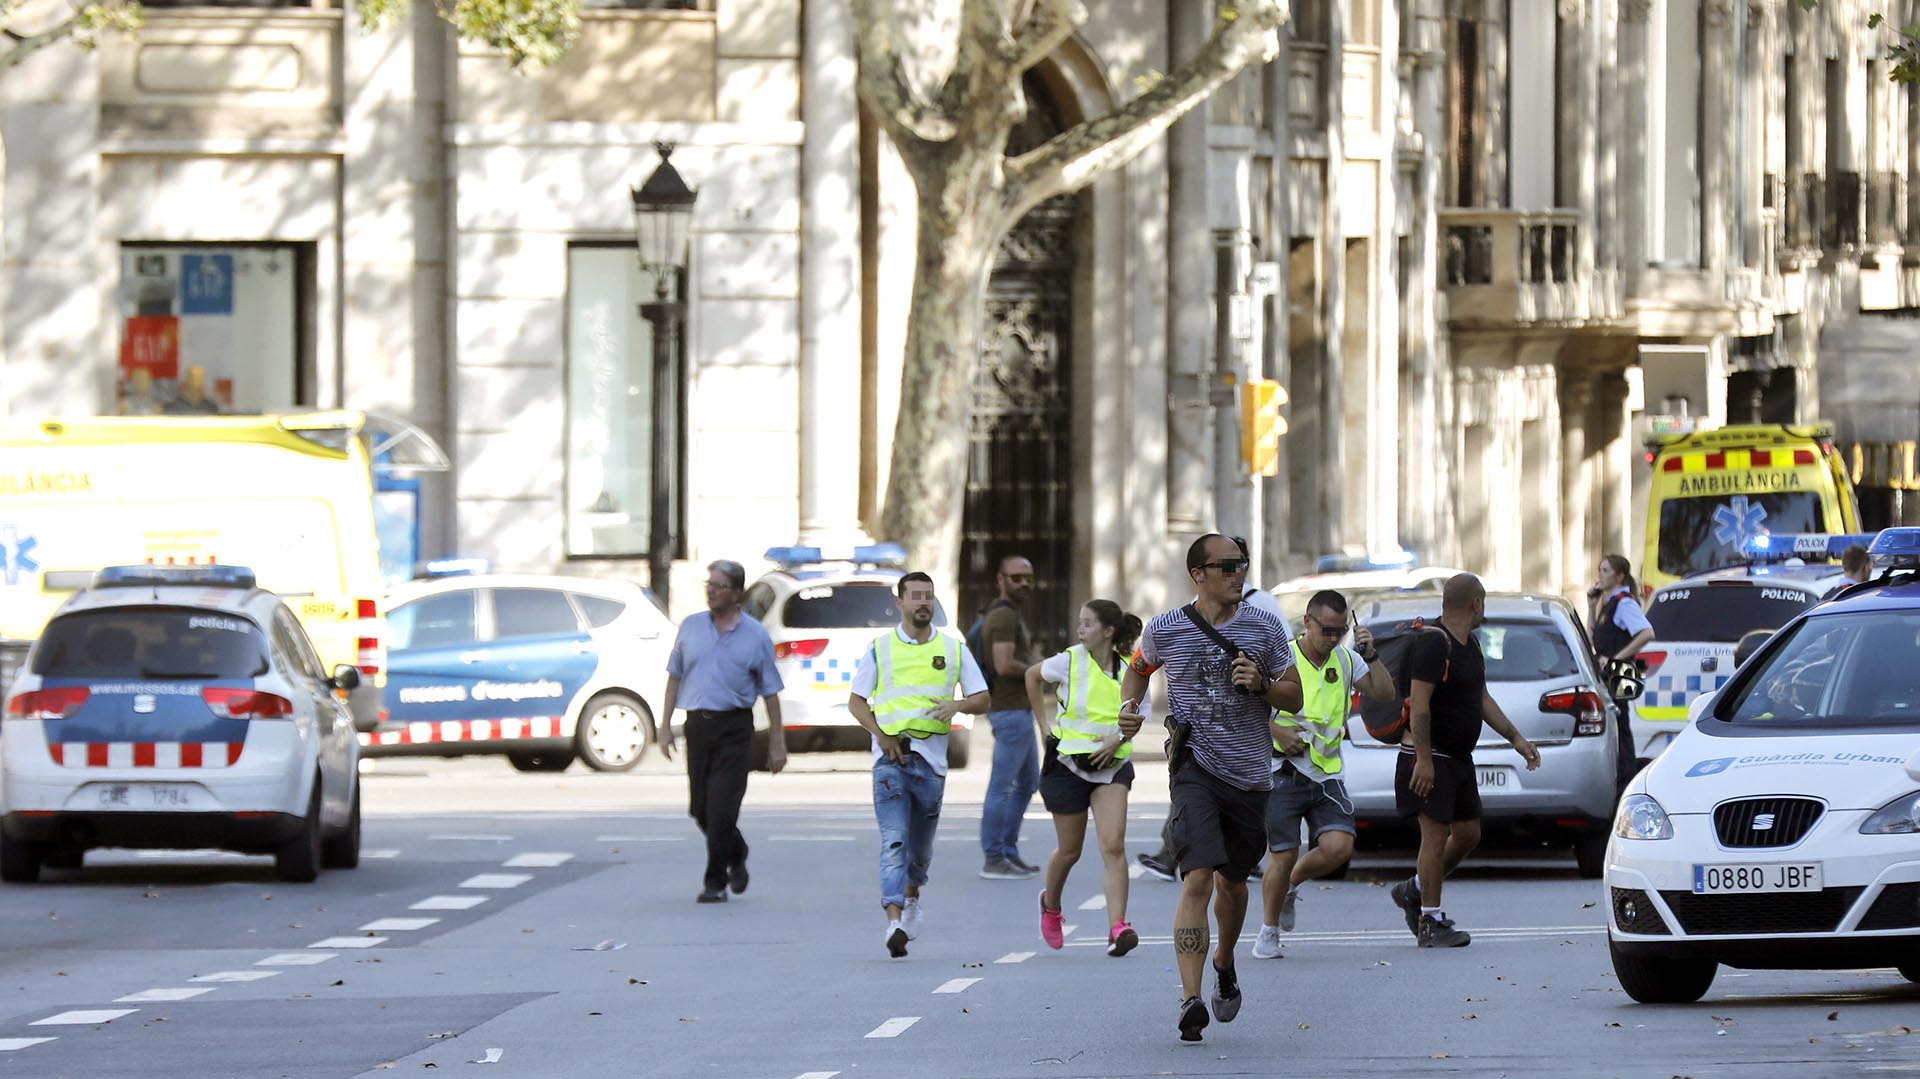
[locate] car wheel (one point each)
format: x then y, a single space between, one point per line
298 859
342 851
540 762
19 862
1662 979
65 858
1590 854
959 747
614 733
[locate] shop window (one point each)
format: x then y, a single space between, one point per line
625 413
214 328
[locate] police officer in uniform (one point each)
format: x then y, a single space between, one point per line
1619 630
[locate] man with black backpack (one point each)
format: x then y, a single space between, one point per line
1434 781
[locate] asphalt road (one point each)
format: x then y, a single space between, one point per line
547 922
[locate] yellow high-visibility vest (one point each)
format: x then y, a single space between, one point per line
1323 707
913 678
1089 707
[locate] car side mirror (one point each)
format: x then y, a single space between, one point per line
1624 681
345 676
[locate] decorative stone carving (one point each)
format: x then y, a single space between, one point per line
1636 10
1717 12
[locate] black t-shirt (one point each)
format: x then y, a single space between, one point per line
1459 676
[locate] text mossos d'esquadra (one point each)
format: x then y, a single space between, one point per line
541 689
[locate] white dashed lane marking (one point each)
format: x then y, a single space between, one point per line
1135 871
83 1018
398 925
538 859
957 985
8 1045
235 976
1067 929
383 855
294 959
810 838
161 996
463 838
1098 902
348 942
449 902
816 1075
496 880
1016 957
893 1028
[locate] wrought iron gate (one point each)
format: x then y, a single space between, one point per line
1020 463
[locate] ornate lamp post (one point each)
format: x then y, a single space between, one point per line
662 216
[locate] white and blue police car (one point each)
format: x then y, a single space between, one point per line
823 608
1699 620
178 707
1781 829
539 668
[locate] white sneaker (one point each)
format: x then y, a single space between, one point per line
911 917
1267 944
896 940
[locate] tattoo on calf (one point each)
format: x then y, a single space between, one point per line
1189 941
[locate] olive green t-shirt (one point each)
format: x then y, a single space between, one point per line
1003 624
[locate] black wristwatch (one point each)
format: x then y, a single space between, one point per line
1370 655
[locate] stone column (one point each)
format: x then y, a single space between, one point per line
1189 307
1718 80
1614 465
830 315
1634 115
1576 476
1421 446
1329 530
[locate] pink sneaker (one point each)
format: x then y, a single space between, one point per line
1121 939
1050 924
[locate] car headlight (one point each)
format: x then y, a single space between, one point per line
1641 817
1899 817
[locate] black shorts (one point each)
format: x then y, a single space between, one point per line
1064 793
1216 825
1455 795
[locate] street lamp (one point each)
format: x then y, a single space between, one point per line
662 216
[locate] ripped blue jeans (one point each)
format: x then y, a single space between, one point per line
906 802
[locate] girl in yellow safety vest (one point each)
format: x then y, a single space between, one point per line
1086 764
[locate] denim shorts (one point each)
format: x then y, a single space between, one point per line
1324 806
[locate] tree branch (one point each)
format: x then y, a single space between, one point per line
1073 158
25 45
1050 23
881 85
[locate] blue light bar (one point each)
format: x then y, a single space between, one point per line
1896 548
872 554
212 576
454 567
1814 546
881 554
792 556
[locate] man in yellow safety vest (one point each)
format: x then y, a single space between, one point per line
903 694
1307 783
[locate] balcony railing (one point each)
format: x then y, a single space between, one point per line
1842 226
1806 209
1886 202
1517 267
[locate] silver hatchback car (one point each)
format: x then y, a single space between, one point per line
1541 672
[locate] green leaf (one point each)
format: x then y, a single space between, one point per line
1874 20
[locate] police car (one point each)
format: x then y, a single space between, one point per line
178 708
1781 829
1698 621
539 668
1361 578
823 609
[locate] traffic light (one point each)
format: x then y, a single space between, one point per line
1261 426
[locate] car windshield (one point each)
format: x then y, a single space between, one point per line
1722 612
1525 651
1707 531
150 642
846 605
1842 670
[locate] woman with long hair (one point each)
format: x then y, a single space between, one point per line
1086 766
1619 630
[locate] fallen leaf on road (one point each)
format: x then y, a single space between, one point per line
341 982
1831 1016
593 1013
1613 1024
1439 1056
1899 1030
1815 1041
683 1019
1304 1026
1586 906
442 1034
971 966
296 925
1470 1015
635 981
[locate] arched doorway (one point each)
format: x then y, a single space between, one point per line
1019 497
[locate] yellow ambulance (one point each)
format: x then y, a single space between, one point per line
1714 490
289 496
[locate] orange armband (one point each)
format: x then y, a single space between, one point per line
1139 665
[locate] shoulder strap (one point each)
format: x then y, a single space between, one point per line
1219 638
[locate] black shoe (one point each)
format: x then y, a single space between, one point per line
1226 994
1023 866
1408 901
1193 1019
897 942
737 876
1440 933
1155 866
712 895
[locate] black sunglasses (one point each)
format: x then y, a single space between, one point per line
1226 565
1326 630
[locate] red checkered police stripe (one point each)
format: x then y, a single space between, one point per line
467 730
145 754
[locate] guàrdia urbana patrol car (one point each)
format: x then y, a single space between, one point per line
1781 829
178 708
